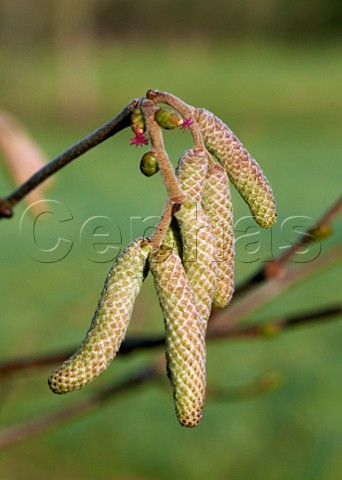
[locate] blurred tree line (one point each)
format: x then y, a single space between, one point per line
57 22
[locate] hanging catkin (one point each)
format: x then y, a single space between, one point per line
244 172
110 321
197 238
185 342
217 204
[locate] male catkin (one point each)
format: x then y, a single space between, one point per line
110 321
185 342
244 172
197 238
217 204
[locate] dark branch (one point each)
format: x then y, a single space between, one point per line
266 383
121 121
132 344
275 326
273 268
22 431
30 363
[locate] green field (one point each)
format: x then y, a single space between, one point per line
285 104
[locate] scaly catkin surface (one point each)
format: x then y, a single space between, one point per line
109 324
191 173
244 172
197 238
217 204
185 342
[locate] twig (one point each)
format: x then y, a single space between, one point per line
273 268
222 321
22 431
174 192
27 363
121 121
264 384
186 111
275 326
131 345
163 97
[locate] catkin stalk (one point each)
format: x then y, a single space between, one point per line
109 324
217 204
185 342
244 172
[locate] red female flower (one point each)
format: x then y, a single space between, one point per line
139 139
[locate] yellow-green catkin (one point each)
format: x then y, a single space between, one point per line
185 342
197 238
244 172
110 321
217 204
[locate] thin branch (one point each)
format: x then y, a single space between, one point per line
118 123
186 111
157 238
275 268
130 345
164 97
275 326
222 321
264 384
174 192
22 431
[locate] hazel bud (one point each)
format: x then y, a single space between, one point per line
149 164
167 119
137 121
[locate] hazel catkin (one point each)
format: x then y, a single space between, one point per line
197 238
110 321
244 172
217 204
185 342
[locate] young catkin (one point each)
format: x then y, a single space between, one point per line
217 204
197 238
185 342
110 321
244 172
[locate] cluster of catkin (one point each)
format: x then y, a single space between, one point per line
192 266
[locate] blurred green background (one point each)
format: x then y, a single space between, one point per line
273 71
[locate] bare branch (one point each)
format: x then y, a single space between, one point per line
277 325
274 268
130 345
22 431
264 384
222 321
121 121
174 192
